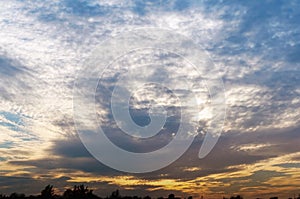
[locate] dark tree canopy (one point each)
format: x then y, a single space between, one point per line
83 192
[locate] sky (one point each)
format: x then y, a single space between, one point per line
251 47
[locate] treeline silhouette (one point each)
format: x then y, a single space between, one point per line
83 192
78 192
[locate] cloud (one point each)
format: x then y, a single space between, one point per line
254 46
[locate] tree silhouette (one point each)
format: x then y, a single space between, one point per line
236 197
17 195
171 196
115 194
79 192
83 192
47 192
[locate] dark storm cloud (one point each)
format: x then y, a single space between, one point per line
71 148
217 162
28 184
71 155
9 184
227 153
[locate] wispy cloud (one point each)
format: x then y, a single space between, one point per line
254 46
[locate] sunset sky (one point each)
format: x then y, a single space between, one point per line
255 48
